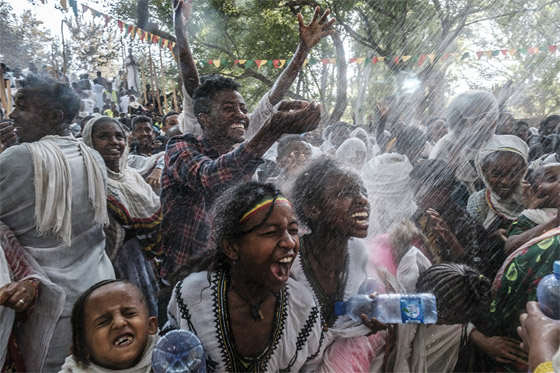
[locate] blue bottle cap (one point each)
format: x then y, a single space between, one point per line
556 268
340 308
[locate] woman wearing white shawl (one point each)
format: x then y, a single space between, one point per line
52 193
472 118
501 201
386 178
352 154
361 134
134 216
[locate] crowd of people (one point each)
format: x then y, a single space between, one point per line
118 225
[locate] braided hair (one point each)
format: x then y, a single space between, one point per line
462 293
79 345
228 210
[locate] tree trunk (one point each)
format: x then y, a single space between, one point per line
342 82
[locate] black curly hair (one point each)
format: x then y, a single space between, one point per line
60 95
77 320
204 94
227 212
311 183
462 293
434 173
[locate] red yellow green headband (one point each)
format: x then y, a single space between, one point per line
264 204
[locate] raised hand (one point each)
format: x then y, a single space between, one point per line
295 117
311 34
7 135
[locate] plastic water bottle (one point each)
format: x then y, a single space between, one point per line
548 293
391 308
179 351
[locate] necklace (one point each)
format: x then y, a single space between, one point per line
331 273
254 309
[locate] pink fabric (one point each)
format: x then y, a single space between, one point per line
352 354
381 253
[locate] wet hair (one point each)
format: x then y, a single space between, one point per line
311 183
228 210
204 94
410 138
462 293
79 346
60 95
107 119
520 123
168 115
141 119
285 142
433 173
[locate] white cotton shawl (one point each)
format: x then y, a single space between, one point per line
53 187
512 206
540 216
144 366
386 178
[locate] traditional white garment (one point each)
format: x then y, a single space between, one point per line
356 270
423 348
352 154
362 134
201 307
143 366
7 315
387 181
497 207
188 122
74 267
540 216
53 187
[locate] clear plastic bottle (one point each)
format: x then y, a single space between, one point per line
548 293
391 308
179 351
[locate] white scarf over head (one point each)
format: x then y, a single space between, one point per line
53 187
512 206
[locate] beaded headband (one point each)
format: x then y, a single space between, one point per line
264 204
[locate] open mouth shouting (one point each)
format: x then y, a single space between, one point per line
281 268
124 340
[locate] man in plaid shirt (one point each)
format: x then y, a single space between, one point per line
197 170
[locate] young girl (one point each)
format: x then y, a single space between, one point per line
332 202
111 330
238 298
541 193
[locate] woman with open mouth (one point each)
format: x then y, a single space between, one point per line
333 204
239 298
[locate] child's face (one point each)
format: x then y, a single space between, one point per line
549 184
117 326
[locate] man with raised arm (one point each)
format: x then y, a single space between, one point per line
309 36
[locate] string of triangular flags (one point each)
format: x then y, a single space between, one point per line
145 36
416 59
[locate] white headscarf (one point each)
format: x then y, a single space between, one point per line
352 153
386 178
512 206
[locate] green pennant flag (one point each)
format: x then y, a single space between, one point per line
160 41
269 63
465 55
224 63
313 61
495 53
523 51
249 63
414 59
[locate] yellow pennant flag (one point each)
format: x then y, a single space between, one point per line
242 62
456 55
332 61
406 58
195 61
281 63
512 51
216 63
380 58
431 57
488 54
165 42
360 61
260 63
305 62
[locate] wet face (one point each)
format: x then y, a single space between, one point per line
548 184
476 132
143 133
503 172
521 131
344 207
109 140
34 117
437 130
549 128
170 122
228 119
265 255
117 326
505 124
